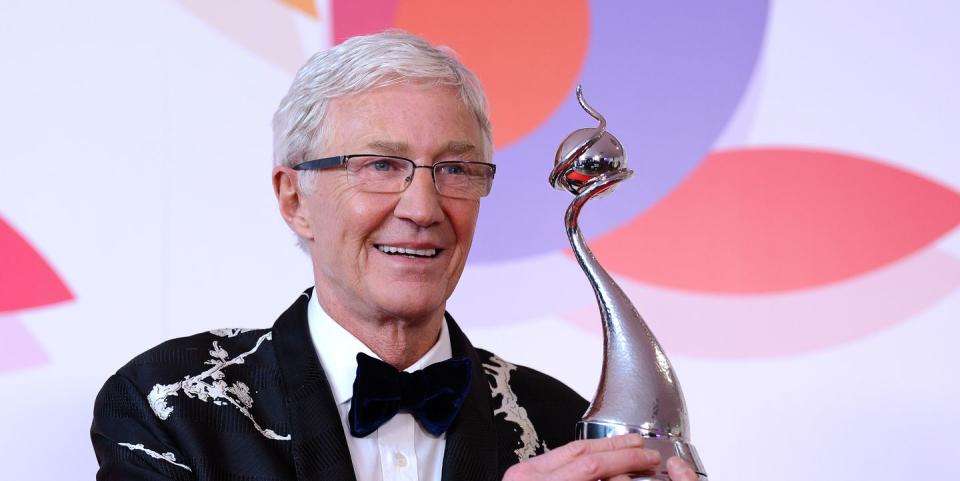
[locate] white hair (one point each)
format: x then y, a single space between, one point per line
361 64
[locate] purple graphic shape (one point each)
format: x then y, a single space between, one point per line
667 76
18 348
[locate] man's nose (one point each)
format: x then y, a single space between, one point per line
420 202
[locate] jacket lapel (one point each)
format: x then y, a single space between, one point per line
319 447
471 451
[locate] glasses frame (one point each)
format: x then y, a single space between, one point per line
341 161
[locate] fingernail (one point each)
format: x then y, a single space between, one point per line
634 440
653 457
676 463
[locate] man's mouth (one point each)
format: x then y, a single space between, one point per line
403 251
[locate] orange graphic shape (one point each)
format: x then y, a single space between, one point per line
764 220
526 53
307 7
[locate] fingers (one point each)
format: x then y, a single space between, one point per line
680 471
602 465
589 460
570 451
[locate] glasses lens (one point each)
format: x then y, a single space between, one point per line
380 174
465 180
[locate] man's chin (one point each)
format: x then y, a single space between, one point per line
417 309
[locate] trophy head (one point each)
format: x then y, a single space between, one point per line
605 156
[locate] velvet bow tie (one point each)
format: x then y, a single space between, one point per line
433 395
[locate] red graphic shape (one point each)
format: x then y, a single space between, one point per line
526 53
790 323
361 17
26 280
18 349
779 219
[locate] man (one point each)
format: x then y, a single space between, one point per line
382 153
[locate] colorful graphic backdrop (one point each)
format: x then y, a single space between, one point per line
790 235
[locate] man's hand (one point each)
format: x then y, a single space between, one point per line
593 459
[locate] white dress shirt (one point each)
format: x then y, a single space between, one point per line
400 450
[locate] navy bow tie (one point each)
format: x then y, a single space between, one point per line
433 395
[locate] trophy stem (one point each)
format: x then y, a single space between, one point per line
636 379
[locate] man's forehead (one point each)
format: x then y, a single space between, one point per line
406 120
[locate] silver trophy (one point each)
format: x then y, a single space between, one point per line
638 390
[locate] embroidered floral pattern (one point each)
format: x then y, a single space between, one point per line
498 371
168 457
211 385
229 331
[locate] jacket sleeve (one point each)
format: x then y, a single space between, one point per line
129 440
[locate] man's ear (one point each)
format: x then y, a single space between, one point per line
290 200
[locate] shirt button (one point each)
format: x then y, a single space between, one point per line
400 459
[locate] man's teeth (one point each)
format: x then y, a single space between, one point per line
408 252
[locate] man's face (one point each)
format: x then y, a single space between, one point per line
350 231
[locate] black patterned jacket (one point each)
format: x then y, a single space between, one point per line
238 404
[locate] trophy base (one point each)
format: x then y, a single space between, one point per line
668 446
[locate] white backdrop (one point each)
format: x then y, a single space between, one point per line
135 160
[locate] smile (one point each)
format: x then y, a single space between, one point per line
402 251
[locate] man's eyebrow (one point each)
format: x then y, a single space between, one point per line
389 148
401 149
460 147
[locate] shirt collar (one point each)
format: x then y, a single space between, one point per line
337 350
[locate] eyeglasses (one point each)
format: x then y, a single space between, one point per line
388 174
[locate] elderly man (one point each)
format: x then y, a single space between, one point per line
382 153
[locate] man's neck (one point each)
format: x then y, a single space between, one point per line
398 342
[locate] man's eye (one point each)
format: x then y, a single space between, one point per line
380 165
453 169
